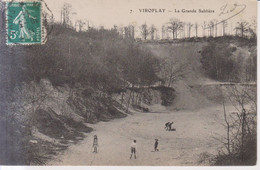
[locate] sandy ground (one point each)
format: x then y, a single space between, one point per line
195 132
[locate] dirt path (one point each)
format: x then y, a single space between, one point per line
194 135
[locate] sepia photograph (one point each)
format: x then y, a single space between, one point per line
128 83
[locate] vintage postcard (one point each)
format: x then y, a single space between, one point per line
128 82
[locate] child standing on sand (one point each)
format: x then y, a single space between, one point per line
133 149
156 145
95 144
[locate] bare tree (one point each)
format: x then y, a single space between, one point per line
80 24
121 30
144 31
216 28
189 26
241 96
163 32
204 27
227 127
224 25
29 98
211 28
174 25
153 32
66 14
172 71
183 30
48 19
252 28
241 125
196 29
131 31
115 27
126 32
242 27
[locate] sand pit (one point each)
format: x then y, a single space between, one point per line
194 135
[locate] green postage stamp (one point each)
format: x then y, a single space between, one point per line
23 22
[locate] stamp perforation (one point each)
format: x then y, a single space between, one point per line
42 28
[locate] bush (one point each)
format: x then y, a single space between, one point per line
167 95
249 154
220 64
217 62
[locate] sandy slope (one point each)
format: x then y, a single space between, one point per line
194 135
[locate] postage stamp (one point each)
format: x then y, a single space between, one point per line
23 22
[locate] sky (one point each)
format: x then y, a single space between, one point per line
124 12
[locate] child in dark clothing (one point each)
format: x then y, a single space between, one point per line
95 144
170 126
167 125
156 145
